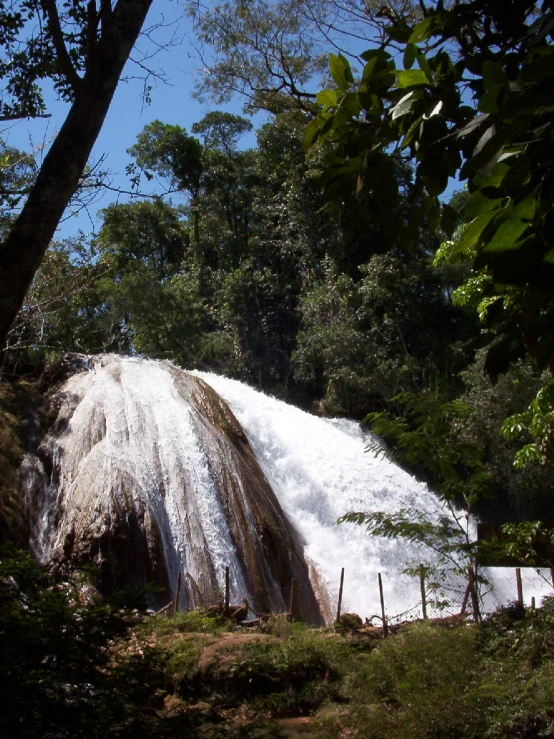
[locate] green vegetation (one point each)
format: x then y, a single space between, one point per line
323 265
75 667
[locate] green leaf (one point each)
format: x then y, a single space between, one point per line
350 105
405 105
488 102
409 77
327 98
424 65
526 209
474 124
412 132
473 230
494 76
478 204
377 54
422 31
489 148
449 219
317 128
398 33
507 235
410 54
340 71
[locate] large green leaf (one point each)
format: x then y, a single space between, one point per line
473 231
422 31
507 236
494 76
410 54
405 105
409 77
327 98
478 204
340 71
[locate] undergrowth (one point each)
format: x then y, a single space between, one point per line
494 681
75 670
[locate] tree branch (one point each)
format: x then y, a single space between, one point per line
55 29
20 116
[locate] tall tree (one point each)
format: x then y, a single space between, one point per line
82 48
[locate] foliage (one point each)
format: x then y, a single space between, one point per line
273 53
426 438
62 309
263 50
78 670
502 145
538 421
171 153
516 493
53 646
17 170
417 684
467 682
367 340
17 400
530 542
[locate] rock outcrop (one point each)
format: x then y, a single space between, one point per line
145 473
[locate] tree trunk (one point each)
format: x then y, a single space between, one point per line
22 250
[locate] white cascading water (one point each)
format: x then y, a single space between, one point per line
320 469
140 440
149 434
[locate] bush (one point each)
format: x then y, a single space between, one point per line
51 649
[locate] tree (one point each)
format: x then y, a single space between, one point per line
63 308
82 48
393 329
501 58
272 52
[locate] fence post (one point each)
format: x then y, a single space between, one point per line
340 593
466 598
382 597
474 595
519 587
291 599
177 594
422 587
227 590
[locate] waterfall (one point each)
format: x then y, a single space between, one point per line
148 472
320 469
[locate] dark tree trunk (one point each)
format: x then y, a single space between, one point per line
22 250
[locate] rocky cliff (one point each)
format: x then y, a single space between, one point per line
145 473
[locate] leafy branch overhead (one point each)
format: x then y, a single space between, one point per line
471 97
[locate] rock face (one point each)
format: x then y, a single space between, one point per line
145 473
